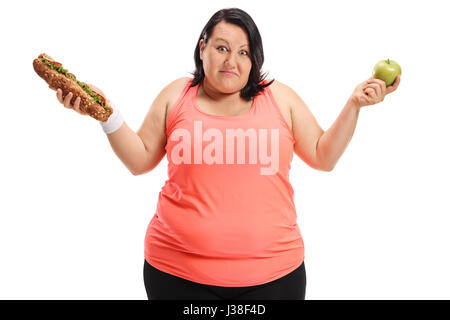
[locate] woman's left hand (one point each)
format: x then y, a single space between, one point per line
372 91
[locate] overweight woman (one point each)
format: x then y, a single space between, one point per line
225 225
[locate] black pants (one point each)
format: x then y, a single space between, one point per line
163 286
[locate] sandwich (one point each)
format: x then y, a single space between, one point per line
56 76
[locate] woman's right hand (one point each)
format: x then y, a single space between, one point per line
66 102
76 105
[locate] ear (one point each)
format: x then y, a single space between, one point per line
202 48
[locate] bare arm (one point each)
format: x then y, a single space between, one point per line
318 148
305 128
142 151
130 149
333 142
153 129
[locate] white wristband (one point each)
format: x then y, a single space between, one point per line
114 122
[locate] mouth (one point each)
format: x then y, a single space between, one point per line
229 73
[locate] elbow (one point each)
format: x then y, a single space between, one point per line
135 172
143 171
322 166
325 168
139 172
146 167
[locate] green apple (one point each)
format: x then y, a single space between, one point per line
387 70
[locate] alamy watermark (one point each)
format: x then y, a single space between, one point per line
215 153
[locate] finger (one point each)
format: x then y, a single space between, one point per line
375 80
382 86
397 81
367 91
366 97
76 105
381 83
59 95
370 92
376 87
67 99
394 86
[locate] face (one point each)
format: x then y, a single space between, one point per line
228 49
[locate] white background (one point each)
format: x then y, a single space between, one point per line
73 218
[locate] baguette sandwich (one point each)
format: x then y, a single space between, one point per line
56 76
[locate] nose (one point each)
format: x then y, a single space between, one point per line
230 62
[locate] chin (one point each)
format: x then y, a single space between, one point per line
229 85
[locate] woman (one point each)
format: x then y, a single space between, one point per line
225 225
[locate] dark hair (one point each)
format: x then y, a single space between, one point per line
242 19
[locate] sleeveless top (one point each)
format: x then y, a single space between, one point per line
226 215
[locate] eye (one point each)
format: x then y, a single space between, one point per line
246 52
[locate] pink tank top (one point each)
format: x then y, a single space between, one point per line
226 214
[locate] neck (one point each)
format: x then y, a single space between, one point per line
230 99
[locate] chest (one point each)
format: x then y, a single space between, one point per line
209 108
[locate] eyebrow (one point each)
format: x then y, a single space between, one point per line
217 39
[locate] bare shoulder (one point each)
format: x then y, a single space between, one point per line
173 91
282 95
280 90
